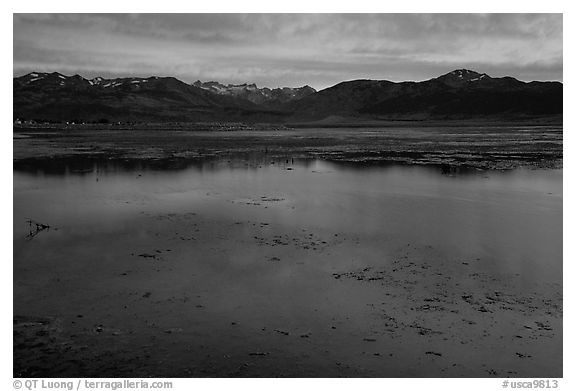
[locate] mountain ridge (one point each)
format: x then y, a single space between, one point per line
457 94
267 96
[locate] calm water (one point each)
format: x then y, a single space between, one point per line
513 219
198 266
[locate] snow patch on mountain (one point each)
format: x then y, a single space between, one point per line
252 93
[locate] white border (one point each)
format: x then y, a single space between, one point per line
230 6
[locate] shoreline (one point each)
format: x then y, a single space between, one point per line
482 148
556 121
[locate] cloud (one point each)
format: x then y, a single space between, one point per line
290 49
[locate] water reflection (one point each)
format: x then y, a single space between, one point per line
83 165
512 218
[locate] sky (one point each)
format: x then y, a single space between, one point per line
276 50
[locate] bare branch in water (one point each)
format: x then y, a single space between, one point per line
35 228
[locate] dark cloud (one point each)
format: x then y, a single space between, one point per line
290 49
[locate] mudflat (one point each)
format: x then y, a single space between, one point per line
400 252
485 147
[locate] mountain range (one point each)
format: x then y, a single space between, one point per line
263 96
460 94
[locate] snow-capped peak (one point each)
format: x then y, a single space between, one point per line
253 93
464 73
460 77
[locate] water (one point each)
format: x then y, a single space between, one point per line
513 218
226 258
